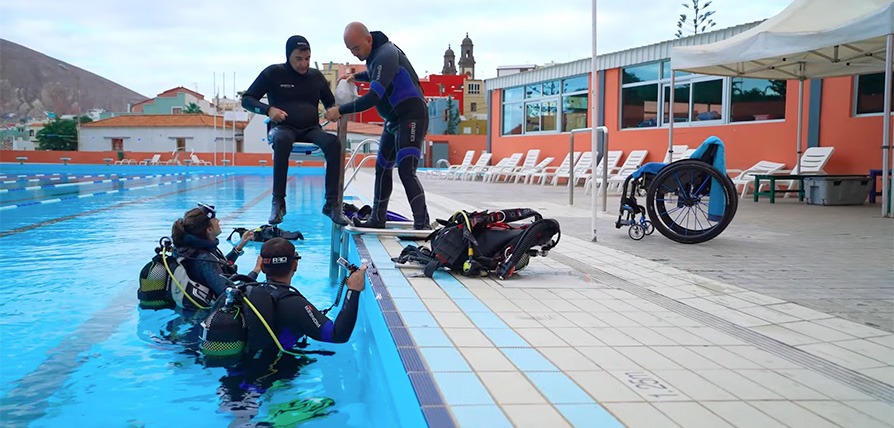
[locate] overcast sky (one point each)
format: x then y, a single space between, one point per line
156 45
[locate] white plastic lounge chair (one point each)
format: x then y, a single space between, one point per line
442 173
679 154
479 167
614 157
529 163
154 161
634 160
196 161
550 172
502 168
746 177
526 174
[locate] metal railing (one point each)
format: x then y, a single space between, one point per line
596 155
362 144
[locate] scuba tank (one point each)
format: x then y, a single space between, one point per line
224 331
155 290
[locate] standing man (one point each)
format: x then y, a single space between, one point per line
294 92
397 96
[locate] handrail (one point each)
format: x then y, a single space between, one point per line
360 146
357 169
603 189
571 163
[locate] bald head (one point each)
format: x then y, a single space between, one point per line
358 40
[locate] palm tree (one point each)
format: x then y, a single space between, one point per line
192 108
701 19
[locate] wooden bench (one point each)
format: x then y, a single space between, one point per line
21 160
65 160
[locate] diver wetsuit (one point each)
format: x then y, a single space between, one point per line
204 263
397 96
299 96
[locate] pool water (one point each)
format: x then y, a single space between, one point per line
75 347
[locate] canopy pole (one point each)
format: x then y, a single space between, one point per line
670 117
886 133
800 121
594 137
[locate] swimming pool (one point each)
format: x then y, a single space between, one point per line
77 349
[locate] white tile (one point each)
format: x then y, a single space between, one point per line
568 359
686 358
792 414
453 320
886 341
468 337
691 415
603 387
671 292
519 319
740 318
530 305
816 331
799 311
646 319
640 415
487 359
763 358
589 306
681 336
615 319
487 294
608 359
842 415
646 336
715 336
725 358
559 305
703 304
693 385
535 416
515 294
568 294
852 328
758 298
695 290
769 315
612 337
785 335
620 294
677 320
841 356
595 294
737 385
577 336
649 386
441 305
511 388
782 385
826 385
550 318
618 305
501 305
884 374
883 412
542 294
583 319
538 337
730 302
869 349
647 358
741 414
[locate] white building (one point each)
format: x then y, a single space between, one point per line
163 133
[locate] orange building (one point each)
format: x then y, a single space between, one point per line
755 118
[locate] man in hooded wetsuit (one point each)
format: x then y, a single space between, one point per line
294 91
397 96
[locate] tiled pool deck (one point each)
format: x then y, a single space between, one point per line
593 336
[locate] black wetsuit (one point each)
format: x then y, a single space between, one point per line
205 263
397 96
299 96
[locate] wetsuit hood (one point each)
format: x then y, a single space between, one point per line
193 241
379 39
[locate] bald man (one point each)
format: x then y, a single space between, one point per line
397 96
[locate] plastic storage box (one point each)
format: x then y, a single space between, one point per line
837 190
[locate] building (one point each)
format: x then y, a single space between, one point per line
756 118
467 58
256 134
163 133
172 101
506 70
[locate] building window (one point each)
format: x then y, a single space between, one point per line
474 88
870 93
551 106
117 144
176 110
181 144
697 98
473 106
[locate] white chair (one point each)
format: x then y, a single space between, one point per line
154 161
526 174
442 173
679 154
457 173
813 160
551 171
610 161
502 168
196 161
746 177
529 163
688 153
581 169
634 160
479 166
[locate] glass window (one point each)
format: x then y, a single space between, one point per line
474 88
551 88
513 118
574 84
681 103
707 100
666 71
532 91
513 94
639 108
532 117
641 73
871 93
757 99
574 112
548 114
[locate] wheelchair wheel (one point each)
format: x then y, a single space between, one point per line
636 232
647 225
684 205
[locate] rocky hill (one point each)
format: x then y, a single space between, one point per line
32 83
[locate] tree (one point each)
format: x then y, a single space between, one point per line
701 19
192 108
452 117
58 135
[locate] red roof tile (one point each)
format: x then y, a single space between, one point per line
161 120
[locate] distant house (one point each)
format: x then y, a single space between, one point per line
163 133
172 101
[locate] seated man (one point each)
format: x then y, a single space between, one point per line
287 312
294 91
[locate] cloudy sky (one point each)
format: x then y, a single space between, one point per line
156 45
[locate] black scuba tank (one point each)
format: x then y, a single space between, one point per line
224 331
154 291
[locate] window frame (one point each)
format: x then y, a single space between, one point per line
557 98
855 94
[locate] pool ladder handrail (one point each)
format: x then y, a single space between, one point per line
360 146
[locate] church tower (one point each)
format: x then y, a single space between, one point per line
467 58
449 65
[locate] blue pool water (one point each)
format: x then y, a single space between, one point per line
76 349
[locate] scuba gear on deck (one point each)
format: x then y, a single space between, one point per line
478 243
365 212
267 232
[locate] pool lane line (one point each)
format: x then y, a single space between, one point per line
55 178
86 182
26 175
98 210
107 192
12 202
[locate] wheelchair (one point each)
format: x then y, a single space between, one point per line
688 201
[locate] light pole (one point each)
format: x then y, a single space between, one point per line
78 86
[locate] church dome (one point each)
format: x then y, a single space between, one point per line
467 40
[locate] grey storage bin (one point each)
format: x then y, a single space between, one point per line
837 190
